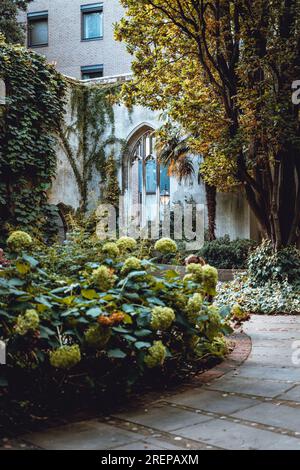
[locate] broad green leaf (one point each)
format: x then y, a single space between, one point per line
127 319
30 260
22 268
116 354
129 338
156 301
89 294
142 345
94 312
143 333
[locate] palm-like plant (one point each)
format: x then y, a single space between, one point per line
174 152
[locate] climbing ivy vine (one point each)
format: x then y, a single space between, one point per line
32 115
88 135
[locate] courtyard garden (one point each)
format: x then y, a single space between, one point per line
140 335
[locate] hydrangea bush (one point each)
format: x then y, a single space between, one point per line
92 315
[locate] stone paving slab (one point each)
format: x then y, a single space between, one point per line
86 435
273 415
261 371
217 402
234 436
292 394
151 444
164 418
250 386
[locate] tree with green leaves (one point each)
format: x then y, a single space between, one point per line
12 30
224 70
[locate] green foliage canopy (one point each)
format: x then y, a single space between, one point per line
224 69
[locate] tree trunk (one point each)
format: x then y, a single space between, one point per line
211 199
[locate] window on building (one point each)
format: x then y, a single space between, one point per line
92 21
91 71
144 146
37 29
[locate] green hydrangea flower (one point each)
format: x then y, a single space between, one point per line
212 326
162 318
111 249
237 313
195 303
131 264
65 357
97 336
156 355
214 314
218 347
209 280
19 241
194 307
194 273
103 278
166 246
178 301
30 321
189 277
126 244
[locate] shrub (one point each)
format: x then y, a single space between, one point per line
126 244
162 318
19 241
111 249
65 357
166 246
267 265
109 323
103 278
156 355
30 321
131 264
226 254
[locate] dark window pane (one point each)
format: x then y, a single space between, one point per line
164 179
151 176
38 32
89 75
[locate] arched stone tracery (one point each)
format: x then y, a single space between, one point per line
147 183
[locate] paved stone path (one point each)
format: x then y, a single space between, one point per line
254 406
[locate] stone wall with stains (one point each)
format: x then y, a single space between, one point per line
233 214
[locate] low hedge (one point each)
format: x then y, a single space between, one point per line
226 254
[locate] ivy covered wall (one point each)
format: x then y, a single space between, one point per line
32 116
87 138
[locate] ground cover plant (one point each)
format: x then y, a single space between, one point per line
89 317
269 286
